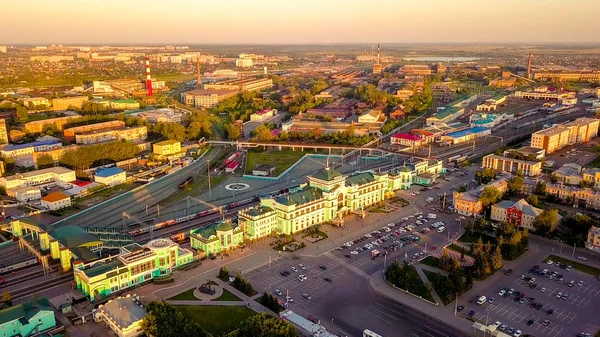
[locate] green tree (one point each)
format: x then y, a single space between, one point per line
462 189
193 130
270 302
515 184
546 222
22 113
553 178
264 325
533 200
224 274
579 225
485 176
489 196
262 134
233 132
45 161
165 320
540 188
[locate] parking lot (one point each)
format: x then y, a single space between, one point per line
540 299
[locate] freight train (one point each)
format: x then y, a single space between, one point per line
205 213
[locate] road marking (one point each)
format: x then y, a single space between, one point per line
381 318
349 266
383 312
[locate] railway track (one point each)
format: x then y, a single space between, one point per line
48 284
22 278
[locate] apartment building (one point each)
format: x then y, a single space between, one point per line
243 63
62 104
578 197
167 149
263 115
543 95
467 203
94 137
59 122
12 151
36 101
49 175
520 213
558 136
70 133
416 69
202 98
239 85
510 165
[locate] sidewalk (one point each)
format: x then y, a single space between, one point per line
425 280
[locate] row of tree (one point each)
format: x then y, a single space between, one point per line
486 259
270 302
348 137
83 158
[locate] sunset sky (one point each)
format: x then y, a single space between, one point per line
297 21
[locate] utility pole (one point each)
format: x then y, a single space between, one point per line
208 169
573 251
455 304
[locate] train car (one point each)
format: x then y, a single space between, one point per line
179 237
231 158
231 167
453 158
20 265
186 182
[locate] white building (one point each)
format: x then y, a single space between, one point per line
25 194
55 201
110 176
123 315
243 63
45 176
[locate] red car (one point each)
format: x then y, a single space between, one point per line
433 247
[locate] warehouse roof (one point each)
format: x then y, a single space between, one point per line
108 172
74 236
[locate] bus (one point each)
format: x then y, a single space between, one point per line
369 333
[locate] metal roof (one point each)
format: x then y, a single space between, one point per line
108 172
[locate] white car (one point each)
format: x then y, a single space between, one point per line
354 252
441 229
412 194
289 299
432 216
294 269
502 292
518 333
278 292
302 266
582 258
550 262
367 235
300 278
497 324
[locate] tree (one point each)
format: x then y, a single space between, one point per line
45 161
224 274
462 189
485 175
22 114
540 188
233 132
161 315
262 134
270 302
533 200
546 222
489 196
579 224
515 184
497 258
264 325
193 130
6 298
553 178
172 131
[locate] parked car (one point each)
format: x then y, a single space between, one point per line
322 267
278 292
307 296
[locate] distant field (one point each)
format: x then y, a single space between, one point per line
281 159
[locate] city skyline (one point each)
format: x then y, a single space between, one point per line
299 22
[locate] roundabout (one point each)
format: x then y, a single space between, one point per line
237 187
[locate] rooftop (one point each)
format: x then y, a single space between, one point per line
466 132
552 131
74 236
123 311
327 175
301 197
408 136
360 178
103 267
521 205
55 196
108 172
24 311
32 144
207 92
167 142
256 211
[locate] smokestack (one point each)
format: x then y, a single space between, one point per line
199 73
148 77
378 53
529 66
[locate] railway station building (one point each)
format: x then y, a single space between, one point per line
134 266
216 237
27 319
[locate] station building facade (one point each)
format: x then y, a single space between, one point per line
216 237
328 196
135 265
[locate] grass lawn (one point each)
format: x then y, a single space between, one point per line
473 237
281 159
217 320
431 261
184 296
416 286
227 296
577 265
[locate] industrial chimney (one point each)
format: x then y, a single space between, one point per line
148 77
